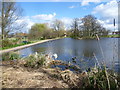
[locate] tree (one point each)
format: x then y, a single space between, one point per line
38 31
58 25
90 26
10 14
75 27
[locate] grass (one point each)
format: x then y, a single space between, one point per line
10 56
110 36
94 37
16 45
11 46
100 79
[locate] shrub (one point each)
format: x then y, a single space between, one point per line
14 56
10 56
100 79
6 43
35 60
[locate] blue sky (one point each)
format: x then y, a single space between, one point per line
46 12
62 9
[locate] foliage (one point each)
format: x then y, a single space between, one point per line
8 19
100 79
87 28
75 27
35 60
115 36
6 43
90 25
10 56
36 31
14 56
58 25
42 31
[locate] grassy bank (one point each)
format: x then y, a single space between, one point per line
113 36
12 42
106 36
23 45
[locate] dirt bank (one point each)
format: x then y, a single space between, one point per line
21 77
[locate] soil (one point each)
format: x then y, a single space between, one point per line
17 76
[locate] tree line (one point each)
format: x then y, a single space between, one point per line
86 27
43 31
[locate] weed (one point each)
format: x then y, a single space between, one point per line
98 78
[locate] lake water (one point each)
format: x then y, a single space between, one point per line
85 52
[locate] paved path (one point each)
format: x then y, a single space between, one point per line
24 46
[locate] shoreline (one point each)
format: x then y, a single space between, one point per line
25 46
22 73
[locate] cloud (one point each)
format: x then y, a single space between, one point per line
46 17
86 2
72 7
107 24
67 22
107 12
28 23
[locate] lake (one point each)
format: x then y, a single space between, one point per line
86 53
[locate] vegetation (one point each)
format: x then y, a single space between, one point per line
84 28
10 13
87 28
10 56
115 36
6 43
93 78
58 25
35 60
37 31
75 28
42 31
101 79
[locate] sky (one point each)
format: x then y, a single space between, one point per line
46 12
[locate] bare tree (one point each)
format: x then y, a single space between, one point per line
58 25
10 14
90 26
75 27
